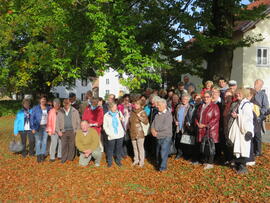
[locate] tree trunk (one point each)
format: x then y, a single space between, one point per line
219 64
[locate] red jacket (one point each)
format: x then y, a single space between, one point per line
93 117
210 117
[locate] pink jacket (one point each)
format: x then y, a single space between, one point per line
51 122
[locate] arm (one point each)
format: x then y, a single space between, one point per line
100 117
15 131
147 110
265 104
143 118
49 123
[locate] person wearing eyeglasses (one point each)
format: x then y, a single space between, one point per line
207 121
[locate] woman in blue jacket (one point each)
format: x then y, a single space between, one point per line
38 123
22 127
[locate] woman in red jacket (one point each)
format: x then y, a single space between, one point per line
207 121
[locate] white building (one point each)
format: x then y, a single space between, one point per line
106 84
250 63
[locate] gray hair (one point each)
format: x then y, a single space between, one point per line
156 98
57 101
185 95
162 101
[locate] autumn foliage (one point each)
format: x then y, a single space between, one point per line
24 180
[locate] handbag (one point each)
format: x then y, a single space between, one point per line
146 128
15 146
187 139
208 146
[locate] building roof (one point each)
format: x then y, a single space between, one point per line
244 26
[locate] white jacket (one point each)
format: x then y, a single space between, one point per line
241 125
107 126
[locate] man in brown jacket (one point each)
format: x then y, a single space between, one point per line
67 123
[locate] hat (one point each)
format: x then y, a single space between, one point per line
232 83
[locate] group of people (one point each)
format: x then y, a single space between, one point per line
221 124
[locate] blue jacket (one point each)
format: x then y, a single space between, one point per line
36 117
19 121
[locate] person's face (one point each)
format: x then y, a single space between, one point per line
26 105
56 105
66 103
126 100
198 99
161 107
258 85
239 96
84 126
111 98
72 99
94 102
143 99
186 79
207 98
233 88
221 83
191 89
175 99
137 106
215 94
228 96
208 85
180 87
100 103
170 94
114 108
185 100
43 101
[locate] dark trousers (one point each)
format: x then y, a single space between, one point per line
31 140
150 146
114 146
240 162
251 155
257 141
162 152
68 145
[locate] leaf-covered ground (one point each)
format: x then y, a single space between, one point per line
24 180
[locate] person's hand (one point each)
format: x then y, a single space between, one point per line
60 134
87 152
33 131
248 136
176 123
154 132
234 114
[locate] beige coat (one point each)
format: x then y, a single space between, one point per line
135 126
76 121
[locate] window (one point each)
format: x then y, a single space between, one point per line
84 82
107 92
262 57
82 96
107 81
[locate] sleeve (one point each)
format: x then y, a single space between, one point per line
100 117
78 120
85 115
215 117
32 119
15 131
95 141
106 125
57 124
248 118
265 104
49 123
147 110
143 118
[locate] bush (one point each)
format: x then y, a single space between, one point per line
9 107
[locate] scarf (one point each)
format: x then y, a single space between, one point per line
181 116
26 116
114 121
93 108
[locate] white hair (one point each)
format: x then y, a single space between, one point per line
162 101
156 99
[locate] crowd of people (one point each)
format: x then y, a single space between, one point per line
221 124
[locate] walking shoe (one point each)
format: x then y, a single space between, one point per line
242 170
119 163
109 165
141 165
52 160
135 163
208 166
178 156
42 157
97 164
251 163
195 163
38 158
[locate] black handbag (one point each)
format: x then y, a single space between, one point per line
208 146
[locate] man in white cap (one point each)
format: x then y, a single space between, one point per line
232 85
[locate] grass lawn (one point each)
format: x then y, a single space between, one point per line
24 180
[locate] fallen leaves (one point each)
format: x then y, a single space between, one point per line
24 180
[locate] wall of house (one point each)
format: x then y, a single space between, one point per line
251 71
109 84
237 66
79 89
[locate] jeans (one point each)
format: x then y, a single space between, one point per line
31 140
84 161
55 142
41 137
114 146
162 152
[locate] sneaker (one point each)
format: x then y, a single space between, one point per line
195 163
135 163
208 166
109 165
119 163
141 165
52 160
39 158
97 164
251 163
178 156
